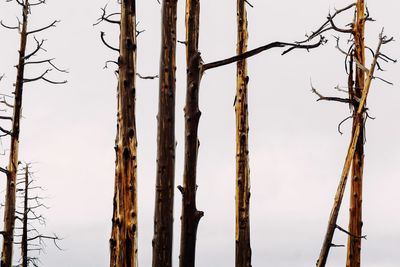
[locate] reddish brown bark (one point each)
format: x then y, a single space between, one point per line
123 242
190 215
9 211
355 224
165 180
243 248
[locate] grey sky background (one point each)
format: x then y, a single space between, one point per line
296 152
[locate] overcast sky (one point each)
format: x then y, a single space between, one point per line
296 152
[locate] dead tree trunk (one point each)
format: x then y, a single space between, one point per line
9 212
355 224
243 248
357 128
165 180
123 242
24 239
190 215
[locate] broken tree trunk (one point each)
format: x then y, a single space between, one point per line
9 211
165 180
355 218
243 248
123 242
190 215
332 223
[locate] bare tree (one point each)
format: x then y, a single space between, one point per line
357 96
11 172
32 241
243 247
123 241
165 176
195 69
355 224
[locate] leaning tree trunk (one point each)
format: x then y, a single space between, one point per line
243 248
355 224
165 180
190 215
9 212
123 242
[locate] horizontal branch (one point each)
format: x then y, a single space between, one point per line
260 49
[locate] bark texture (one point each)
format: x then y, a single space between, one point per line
123 242
9 211
355 224
165 180
358 125
190 215
243 248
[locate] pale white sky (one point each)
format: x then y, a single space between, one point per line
296 152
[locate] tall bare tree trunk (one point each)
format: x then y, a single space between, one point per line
123 242
190 215
9 212
165 180
24 239
355 224
243 248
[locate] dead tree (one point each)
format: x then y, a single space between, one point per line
355 224
357 96
165 176
190 215
195 69
11 172
243 246
31 240
123 241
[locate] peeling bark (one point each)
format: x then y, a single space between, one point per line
123 242
355 224
165 180
190 215
9 211
243 248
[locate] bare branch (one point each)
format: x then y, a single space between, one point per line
260 49
105 17
102 34
147 77
53 24
9 27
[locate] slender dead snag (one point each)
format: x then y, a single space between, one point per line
357 129
243 247
190 215
123 242
355 218
124 233
195 68
165 177
24 239
31 240
9 212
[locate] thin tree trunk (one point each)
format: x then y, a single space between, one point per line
355 224
24 240
9 212
358 125
190 215
123 242
243 248
165 180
